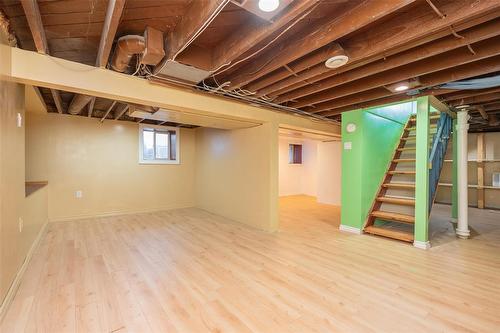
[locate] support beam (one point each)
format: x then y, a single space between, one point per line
422 174
485 49
480 170
404 32
328 31
468 93
414 55
462 230
111 22
454 170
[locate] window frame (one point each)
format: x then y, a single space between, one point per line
291 154
157 128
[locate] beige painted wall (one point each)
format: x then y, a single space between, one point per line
101 160
237 174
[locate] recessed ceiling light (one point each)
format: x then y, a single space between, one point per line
268 5
336 61
463 106
401 87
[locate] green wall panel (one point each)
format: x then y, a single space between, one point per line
363 166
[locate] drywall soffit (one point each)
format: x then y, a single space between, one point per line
45 71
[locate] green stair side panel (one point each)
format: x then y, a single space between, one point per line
371 148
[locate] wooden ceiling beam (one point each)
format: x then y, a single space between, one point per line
34 19
483 113
198 14
254 33
476 99
120 112
485 49
111 22
376 45
108 111
479 33
312 39
384 101
473 69
468 93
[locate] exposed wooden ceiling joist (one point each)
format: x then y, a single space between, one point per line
34 19
481 67
485 49
254 33
436 47
404 32
360 16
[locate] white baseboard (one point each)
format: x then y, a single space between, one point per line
17 280
422 245
119 212
350 229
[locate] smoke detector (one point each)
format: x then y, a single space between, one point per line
336 61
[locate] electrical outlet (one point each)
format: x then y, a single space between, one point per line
79 194
21 224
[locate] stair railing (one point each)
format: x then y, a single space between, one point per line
437 154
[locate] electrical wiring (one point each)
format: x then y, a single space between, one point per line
216 71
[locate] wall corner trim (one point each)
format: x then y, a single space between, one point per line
11 293
350 229
422 245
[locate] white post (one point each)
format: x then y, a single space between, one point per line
462 186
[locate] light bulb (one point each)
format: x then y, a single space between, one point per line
268 5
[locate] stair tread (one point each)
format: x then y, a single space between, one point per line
402 172
397 160
395 234
397 200
399 185
395 217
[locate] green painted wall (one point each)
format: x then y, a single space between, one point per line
372 144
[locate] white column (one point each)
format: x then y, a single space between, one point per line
462 186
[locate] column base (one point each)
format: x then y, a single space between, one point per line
463 234
422 245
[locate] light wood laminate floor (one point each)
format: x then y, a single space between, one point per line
191 271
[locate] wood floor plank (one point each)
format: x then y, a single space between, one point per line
189 270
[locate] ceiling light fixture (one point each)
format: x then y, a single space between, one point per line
402 87
463 106
269 5
336 61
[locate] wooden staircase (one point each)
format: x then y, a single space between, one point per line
398 225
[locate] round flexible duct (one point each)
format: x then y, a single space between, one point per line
125 49
78 103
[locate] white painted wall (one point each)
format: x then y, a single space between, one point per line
318 175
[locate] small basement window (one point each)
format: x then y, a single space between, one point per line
295 154
158 144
